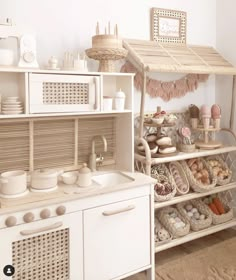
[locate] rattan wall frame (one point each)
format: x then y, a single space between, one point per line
168 26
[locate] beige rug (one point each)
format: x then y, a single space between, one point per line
217 262
213 263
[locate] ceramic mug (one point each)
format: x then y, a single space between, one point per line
13 182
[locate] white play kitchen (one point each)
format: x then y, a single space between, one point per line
58 219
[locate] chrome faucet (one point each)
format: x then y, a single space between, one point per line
93 159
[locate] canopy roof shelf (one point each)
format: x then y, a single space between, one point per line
151 56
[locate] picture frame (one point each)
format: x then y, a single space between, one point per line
168 26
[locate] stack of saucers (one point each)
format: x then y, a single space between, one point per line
11 105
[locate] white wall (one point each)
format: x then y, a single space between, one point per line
226 44
68 25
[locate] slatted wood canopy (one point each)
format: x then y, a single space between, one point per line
152 56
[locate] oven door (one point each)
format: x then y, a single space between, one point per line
46 249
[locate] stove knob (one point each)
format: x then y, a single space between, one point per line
28 217
45 213
11 221
61 210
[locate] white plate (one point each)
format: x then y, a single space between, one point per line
16 108
12 112
12 98
12 105
13 102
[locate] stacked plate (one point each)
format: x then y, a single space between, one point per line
11 105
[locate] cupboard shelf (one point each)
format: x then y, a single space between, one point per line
194 235
193 195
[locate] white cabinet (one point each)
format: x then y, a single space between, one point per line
116 239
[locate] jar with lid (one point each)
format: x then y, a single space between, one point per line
120 100
85 176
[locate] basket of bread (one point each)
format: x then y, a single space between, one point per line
165 187
220 169
195 212
220 209
172 220
199 174
180 178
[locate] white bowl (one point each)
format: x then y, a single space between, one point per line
6 57
69 178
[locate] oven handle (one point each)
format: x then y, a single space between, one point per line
38 230
114 212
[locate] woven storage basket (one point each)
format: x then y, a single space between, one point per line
224 165
223 218
194 184
164 219
161 172
176 165
196 224
158 224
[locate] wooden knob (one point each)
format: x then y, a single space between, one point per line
61 210
11 221
45 213
28 217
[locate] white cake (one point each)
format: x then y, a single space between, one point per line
106 42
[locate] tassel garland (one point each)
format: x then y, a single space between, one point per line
166 90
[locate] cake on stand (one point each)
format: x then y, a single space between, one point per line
106 48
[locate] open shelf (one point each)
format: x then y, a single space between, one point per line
183 156
193 195
100 113
194 235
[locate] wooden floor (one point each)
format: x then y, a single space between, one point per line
188 248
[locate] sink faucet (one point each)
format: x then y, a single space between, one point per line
93 159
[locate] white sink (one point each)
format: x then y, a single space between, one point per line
112 179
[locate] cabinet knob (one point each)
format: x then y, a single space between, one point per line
61 210
11 221
45 213
28 217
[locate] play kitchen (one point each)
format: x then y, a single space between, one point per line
64 221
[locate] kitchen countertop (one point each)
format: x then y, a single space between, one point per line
66 193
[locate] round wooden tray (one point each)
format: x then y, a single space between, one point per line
158 155
208 145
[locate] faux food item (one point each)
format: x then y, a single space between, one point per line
216 115
170 118
151 137
206 115
220 169
213 208
140 147
165 187
153 147
219 205
179 177
165 140
167 149
193 111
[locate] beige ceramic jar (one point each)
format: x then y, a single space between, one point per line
85 176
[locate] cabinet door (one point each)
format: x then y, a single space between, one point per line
116 238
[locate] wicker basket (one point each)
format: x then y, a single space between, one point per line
161 172
194 184
159 225
164 219
196 224
176 165
224 166
223 218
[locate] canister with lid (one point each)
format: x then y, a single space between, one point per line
85 176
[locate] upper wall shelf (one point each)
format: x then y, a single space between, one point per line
152 56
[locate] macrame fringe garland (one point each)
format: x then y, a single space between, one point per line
166 90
